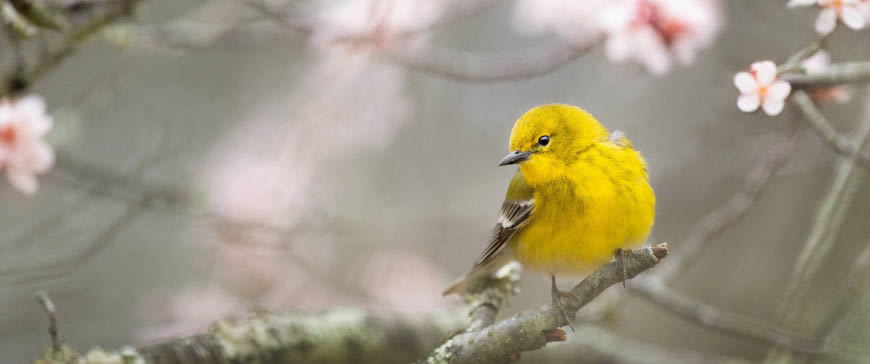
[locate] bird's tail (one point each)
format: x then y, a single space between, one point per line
475 280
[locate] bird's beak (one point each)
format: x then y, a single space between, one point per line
515 157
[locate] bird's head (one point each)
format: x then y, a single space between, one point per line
548 138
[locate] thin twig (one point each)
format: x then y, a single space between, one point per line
728 214
829 217
60 267
484 305
845 324
471 67
463 66
839 142
48 306
459 11
595 344
835 74
83 24
842 318
655 291
794 62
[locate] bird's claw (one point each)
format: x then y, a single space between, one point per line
558 311
620 262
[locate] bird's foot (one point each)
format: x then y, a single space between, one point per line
559 311
620 262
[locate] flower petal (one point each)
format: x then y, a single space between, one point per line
41 124
779 90
748 103
745 82
618 47
31 104
794 3
827 21
42 157
23 181
852 17
765 72
772 106
651 51
817 63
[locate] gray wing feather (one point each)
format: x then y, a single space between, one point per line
513 214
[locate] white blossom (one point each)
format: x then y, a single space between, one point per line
760 87
655 33
852 13
23 151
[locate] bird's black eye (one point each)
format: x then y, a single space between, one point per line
544 140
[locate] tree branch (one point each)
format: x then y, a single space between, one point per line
336 336
839 142
37 58
728 214
468 67
829 215
525 331
655 291
462 66
597 345
48 306
836 74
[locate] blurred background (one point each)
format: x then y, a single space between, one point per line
220 157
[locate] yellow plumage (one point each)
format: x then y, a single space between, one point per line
580 194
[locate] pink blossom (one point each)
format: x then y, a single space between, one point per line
864 7
373 25
760 87
853 13
819 63
575 21
838 94
657 32
23 151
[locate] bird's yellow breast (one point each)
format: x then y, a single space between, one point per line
602 202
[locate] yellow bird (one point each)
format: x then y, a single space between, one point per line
581 194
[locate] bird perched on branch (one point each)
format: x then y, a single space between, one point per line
580 195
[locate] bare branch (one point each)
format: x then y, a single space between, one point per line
829 216
61 266
728 214
823 127
842 327
844 315
469 67
836 74
40 57
464 66
458 11
485 305
655 291
794 62
597 345
526 331
48 306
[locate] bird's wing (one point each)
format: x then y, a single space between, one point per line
515 211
